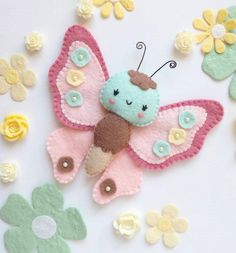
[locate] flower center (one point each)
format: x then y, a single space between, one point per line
14 127
218 31
164 224
12 76
44 227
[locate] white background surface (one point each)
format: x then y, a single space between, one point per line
203 188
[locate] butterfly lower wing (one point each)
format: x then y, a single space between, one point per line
76 78
67 149
122 177
171 138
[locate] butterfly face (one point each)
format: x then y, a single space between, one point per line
136 104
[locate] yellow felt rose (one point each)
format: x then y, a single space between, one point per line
14 127
126 225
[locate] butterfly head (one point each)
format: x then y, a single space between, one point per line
132 95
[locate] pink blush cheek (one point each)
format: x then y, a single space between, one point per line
140 115
112 101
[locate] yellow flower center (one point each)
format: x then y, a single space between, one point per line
218 31
12 76
14 127
164 224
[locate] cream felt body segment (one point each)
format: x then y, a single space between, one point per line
123 129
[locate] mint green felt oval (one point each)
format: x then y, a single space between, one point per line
232 88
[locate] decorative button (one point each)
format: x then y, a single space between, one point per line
187 120
177 136
161 148
80 57
65 164
74 98
108 187
75 77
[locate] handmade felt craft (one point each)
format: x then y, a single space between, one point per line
34 42
136 133
222 66
85 9
8 172
45 226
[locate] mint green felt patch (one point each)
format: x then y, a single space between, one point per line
137 106
74 98
80 57
161 148
44 227
221 66
232 88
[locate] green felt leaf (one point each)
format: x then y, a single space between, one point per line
54 245
47 199
71 225
19 240
17 211
232 88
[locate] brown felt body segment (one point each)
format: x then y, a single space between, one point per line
141 80
112 134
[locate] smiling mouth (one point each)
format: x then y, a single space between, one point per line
128 103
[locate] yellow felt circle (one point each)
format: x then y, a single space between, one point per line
12 76
28 78
75 77
180 225
164 224
18 92
170 240
18 62
170 211
153 235
152 218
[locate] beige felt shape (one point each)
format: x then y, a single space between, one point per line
18 92
170 240
3 67
28 78
170 211
4 86
18 62
152 218
153 235
180 225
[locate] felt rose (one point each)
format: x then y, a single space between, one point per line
14 127
126 225
34 41
184 42
7 172
85 9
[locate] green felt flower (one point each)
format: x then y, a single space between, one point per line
44 227
221 66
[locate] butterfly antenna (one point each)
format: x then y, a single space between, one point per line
172 65
140 45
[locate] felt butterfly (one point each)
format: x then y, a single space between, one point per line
114 125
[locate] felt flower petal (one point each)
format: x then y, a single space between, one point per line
153 235
230 38
170 239
16 211
128 4
47 199
99 2
18 62
3 67
208 45
19 240
28 78
209 17
54 245
119 10
219 46
201 37
70 224
106 9
152 217
170 211
4 86
199 24
180 225
230 24
18 92
221 16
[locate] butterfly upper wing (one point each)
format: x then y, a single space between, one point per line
94 74
206 114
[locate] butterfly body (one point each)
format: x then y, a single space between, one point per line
115 126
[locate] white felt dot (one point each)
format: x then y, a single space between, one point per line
44 227
218 31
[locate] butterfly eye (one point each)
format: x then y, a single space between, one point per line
144 108
116 92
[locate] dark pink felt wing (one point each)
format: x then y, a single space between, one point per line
170 139
85 116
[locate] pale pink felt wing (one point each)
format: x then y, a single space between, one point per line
86 116
122 177
67 148
207 114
